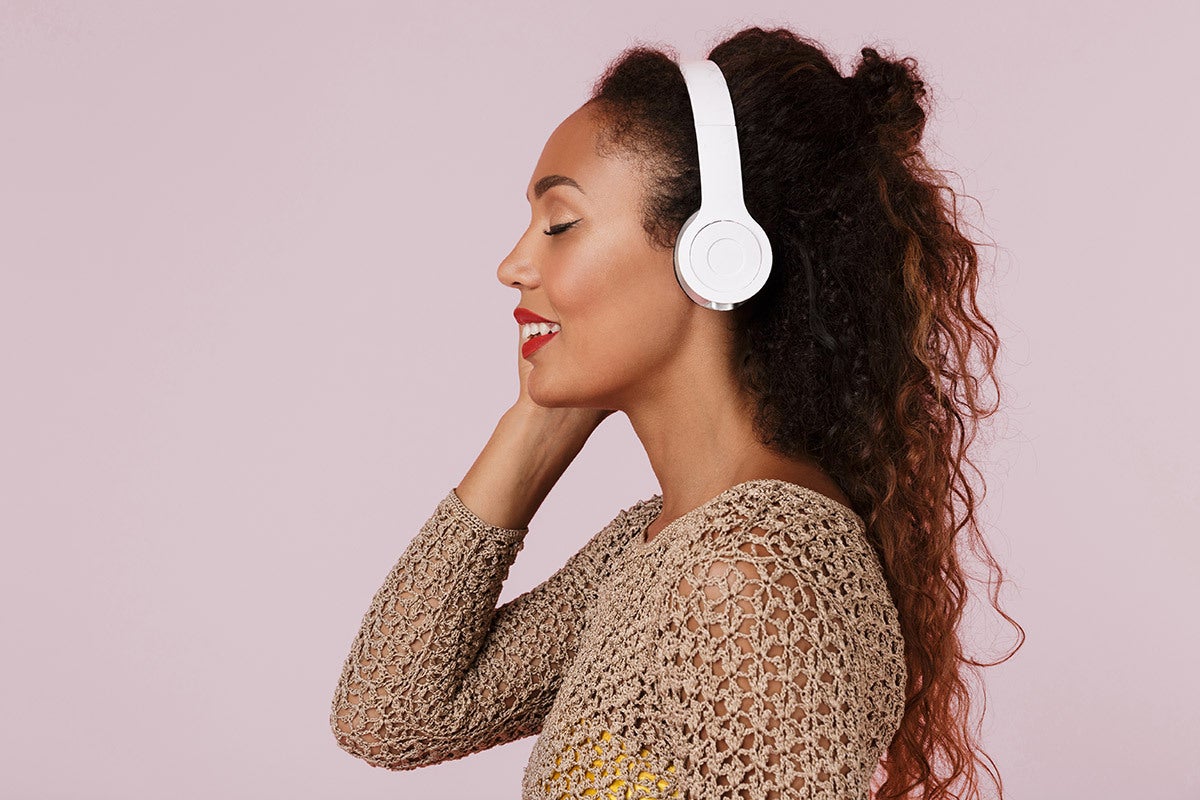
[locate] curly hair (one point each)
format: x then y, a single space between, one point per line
856 350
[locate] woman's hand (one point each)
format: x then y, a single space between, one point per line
527 453
568 421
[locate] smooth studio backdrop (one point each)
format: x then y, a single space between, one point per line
251 332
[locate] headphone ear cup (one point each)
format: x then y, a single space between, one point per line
721 263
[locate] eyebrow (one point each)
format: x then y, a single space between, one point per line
546 183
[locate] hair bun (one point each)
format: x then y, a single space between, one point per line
892 92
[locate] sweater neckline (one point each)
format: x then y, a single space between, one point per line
654 505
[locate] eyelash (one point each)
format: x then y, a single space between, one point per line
557 229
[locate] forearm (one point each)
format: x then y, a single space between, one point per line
526 455
422 630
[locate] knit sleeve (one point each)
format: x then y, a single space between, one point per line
783 671
436 671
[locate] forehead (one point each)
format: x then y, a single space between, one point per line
571 151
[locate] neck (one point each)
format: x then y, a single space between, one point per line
700 440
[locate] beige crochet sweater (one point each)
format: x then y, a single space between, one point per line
750 650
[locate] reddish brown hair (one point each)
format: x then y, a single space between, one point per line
857 349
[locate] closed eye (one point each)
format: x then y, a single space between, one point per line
557 229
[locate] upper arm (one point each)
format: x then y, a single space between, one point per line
768 674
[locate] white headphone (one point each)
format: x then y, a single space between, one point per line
722 256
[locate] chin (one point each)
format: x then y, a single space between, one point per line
541 396
550 401
549 398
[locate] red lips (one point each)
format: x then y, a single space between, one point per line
532 345
524 315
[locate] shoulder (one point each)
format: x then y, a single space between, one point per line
772 541
789 520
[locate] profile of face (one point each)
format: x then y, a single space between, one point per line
586 263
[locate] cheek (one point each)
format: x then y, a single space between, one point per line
578 298
617 302
582 283
624 335
580 290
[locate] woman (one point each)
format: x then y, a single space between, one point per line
783 615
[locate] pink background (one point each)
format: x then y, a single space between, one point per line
251 333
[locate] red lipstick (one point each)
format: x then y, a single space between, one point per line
524 316
534 343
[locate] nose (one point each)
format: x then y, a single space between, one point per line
517 269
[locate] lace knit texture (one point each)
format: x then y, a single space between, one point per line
750 650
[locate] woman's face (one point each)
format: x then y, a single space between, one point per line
622 313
